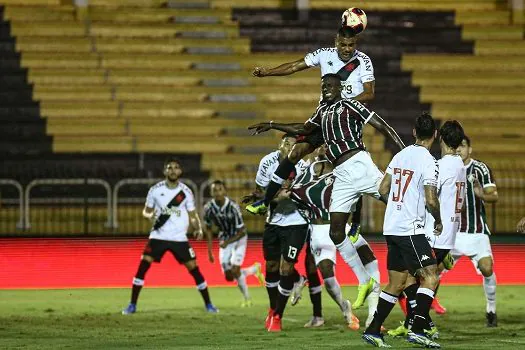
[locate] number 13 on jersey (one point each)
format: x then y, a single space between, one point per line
402 178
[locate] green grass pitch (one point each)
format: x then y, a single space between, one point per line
175 318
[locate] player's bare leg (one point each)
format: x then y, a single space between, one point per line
349 254
201 284
334 290
485 265
138 283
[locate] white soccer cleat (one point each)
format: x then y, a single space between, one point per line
297 291
314 322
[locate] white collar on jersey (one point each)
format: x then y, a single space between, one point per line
226 201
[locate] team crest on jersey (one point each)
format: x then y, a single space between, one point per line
328 181
340 110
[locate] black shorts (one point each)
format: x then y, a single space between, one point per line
409 253
440 254
315 139
156 248
285 241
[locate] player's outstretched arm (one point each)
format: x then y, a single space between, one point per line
383 127
368 93
384 187
432 204
283 69
290 128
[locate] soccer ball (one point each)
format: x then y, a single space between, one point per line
354 18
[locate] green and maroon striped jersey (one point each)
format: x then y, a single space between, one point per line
314 192
474 218
342 123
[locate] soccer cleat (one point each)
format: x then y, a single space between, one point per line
433 333
257 208
492 319
353 233
448 261
275 324
363 291
314 322
400 331
259 274
422 339
297 291
268 318
437 307
131 309
210 308
351 320
403 305
247 303
375 340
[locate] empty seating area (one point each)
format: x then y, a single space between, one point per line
156 76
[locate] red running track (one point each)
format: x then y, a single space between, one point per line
88 263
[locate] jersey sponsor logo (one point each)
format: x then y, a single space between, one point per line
357 105
171 208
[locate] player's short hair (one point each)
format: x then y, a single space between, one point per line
425 126
466 138
293 136
346 32
219 182
172 159
331 75
452 133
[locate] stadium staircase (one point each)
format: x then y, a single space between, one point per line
140 76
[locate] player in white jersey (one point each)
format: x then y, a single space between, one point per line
223 213
410 184
356 72
473 236
170 205
284 235
451 191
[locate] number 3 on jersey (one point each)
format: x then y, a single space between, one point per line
460 188
401 182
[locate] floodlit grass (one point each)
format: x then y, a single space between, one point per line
175 318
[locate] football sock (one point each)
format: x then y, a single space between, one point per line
386 303
202 286
356 215
424 298
283 171
138 281
248 271
334 290
272 281
351 258
373 270
489 286
410 293
314 286
241 283
285 289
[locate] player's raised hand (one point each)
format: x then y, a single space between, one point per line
438 228
521 225
259 128
259 72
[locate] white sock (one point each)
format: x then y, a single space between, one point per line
489 285
373 299
351 258
334 289
241 283
248 271
373 270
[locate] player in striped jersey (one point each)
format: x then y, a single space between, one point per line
341 122
313 190
223 213
356 71
473 236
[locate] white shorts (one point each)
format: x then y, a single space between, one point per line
321 244
474 245
233 254
355 177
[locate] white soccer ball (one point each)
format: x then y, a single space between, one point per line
354 18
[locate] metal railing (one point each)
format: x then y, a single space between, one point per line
65 207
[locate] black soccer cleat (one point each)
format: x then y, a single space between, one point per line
492 319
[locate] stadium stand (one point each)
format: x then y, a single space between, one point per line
141 76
